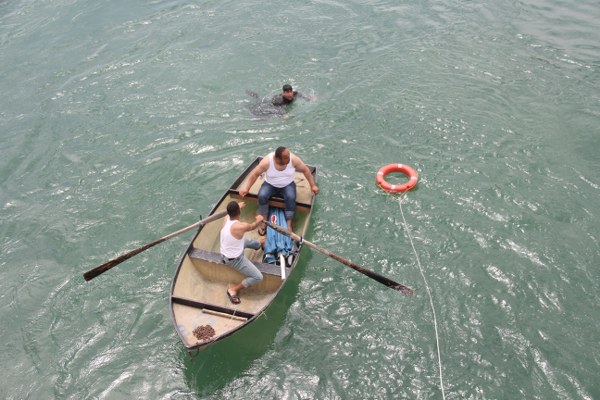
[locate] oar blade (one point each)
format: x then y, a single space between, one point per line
407 291
91 274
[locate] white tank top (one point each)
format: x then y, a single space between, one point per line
230 246
277 178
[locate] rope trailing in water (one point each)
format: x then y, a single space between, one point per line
437 336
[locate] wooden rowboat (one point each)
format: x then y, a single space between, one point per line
200 309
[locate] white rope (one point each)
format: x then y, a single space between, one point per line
437 337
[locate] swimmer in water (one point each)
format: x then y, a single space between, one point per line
279 103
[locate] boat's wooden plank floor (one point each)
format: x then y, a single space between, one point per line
199 254
203 285
199 295
189 318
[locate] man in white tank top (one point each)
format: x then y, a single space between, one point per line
233 245
279 168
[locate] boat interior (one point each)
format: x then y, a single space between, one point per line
199 295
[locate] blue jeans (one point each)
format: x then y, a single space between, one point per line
245 266
288 193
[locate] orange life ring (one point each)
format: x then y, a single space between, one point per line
405 169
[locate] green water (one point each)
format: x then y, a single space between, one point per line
121 122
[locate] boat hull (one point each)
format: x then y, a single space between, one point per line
200 309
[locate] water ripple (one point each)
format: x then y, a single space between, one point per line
121 124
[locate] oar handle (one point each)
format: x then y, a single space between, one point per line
92 273
371 274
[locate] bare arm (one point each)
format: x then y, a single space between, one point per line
238 229
307 98
300 166
262 166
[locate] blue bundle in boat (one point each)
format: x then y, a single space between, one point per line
277 243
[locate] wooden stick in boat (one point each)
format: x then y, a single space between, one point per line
371 274
92 273
224 315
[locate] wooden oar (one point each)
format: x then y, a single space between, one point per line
92 273
371 274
